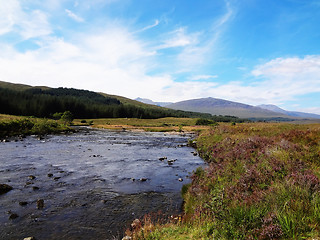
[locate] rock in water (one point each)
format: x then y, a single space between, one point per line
40 203
23 203
4 188
13 216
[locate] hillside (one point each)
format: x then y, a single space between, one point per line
289 113
24 100
223 107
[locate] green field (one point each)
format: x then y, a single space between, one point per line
161 124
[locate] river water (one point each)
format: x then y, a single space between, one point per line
94 183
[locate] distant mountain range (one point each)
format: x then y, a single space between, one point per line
217 106
289 113
148 101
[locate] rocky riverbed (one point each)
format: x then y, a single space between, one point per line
91 184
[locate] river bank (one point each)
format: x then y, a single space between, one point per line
19 127
262 182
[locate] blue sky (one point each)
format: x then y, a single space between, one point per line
250 51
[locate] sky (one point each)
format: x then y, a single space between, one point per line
249 51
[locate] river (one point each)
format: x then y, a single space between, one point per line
93 183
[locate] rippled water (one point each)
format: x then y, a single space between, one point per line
90 182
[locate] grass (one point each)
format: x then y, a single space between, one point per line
16 125
152 125
262 182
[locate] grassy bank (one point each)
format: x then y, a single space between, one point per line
262 182
168 124
15 125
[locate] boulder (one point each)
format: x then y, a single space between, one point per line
4 188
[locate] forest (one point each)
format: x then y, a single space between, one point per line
45 103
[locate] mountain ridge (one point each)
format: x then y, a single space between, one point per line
289 113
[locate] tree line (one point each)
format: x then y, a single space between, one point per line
84 104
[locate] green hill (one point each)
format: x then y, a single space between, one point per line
18 99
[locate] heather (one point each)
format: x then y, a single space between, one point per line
261 182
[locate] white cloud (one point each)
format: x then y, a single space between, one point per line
202 77
290 76
111 61
35 24
26 24
9 12
74 16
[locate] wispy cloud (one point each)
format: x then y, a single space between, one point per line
178 38
156 23
74 16
202 77
27 24
201 51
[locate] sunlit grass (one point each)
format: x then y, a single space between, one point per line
153 125
262 182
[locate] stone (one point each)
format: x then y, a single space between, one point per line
56 178
23 203
127 238
50 175
13 216
40 203
143 179
162 158
180 179
29 238
31 177
4 188
35 188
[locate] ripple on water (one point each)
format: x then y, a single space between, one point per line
93 183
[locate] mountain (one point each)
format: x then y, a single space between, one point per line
25 100
148 101
275 108
223 107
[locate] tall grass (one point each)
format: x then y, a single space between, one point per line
262 182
